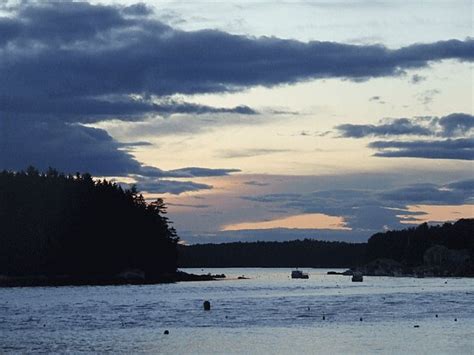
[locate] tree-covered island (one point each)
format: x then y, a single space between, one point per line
73 229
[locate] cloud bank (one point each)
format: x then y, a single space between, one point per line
447 137
75 148
96 60
64 64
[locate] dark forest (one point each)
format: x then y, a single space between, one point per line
55 224
304 253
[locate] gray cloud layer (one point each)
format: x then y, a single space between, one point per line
64 63
453 125
399 126
370 210
72 147
450 137
460 149
56 55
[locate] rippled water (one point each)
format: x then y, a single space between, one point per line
269 313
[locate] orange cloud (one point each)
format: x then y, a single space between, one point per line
302 221
436 213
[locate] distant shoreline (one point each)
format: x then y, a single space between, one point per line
180 276
48 281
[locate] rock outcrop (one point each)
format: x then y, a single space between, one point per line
437 261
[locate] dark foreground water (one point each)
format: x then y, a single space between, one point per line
270 313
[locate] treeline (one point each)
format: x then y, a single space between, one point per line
298 253
408 246
54 224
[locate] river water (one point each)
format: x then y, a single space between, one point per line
268 313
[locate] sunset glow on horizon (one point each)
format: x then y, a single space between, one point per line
303 221
434 213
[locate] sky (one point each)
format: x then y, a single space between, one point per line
330 120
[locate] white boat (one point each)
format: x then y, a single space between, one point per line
298 274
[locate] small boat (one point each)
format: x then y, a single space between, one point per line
357 277
298 274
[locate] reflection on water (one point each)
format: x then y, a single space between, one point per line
268 313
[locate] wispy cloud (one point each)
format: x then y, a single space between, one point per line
416 78
244 153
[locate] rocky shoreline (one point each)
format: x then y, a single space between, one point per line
438 261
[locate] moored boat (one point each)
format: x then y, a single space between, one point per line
298 274
357 277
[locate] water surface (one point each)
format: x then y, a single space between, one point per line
268 313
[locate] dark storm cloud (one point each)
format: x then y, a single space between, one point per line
460 149
76 50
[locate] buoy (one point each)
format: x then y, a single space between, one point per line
360 319
324 317
436 316
166 332
309 309
207 305
455 319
